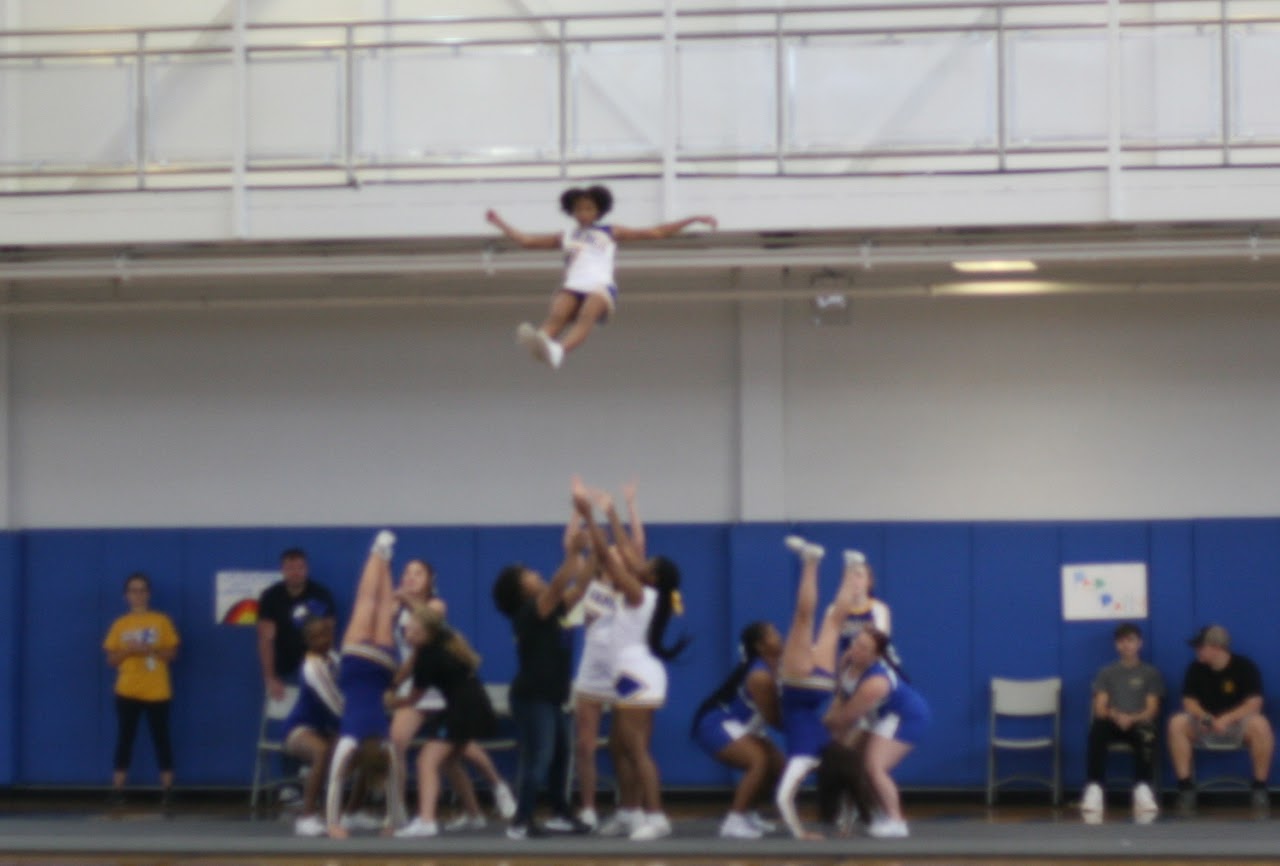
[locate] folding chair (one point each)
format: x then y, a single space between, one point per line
1229 781
270 743
1025 699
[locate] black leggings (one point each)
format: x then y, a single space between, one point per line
127 712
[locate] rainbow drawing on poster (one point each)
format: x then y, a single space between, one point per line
235 595
1112 590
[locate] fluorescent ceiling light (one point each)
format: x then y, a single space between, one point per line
1000 287
994 266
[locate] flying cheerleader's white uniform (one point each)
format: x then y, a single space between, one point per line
597 669
641 679
588 262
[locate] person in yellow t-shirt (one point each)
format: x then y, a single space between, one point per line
140 646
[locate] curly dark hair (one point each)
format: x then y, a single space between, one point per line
597 193
508 592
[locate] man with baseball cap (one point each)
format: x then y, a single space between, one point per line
1222 705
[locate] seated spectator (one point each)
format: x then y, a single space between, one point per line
1222 705
1126 704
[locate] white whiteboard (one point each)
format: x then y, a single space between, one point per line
1111 590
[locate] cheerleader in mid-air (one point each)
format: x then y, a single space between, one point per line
588 294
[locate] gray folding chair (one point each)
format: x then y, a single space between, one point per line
269 745
1025 699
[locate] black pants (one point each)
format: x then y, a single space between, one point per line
1103 732
127 712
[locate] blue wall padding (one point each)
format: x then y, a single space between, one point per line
970 601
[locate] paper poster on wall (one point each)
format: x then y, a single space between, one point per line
235 595
1108 590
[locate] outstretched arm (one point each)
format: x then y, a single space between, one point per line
528 242
664 230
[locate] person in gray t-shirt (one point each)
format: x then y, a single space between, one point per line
1126 704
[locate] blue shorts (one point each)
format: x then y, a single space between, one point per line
802 711
717 729
364 674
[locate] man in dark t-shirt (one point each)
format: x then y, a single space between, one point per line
541 684
282 609
1222 707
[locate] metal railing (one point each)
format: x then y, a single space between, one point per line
922 88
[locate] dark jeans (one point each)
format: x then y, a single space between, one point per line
128 711
542 737
1103 732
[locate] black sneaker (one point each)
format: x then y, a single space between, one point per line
1260 801
166 800
1187 802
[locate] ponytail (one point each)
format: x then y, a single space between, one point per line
748 652
667 582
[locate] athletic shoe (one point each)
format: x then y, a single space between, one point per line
555 354
309 825
417 829
808 552
383 544
738 826
566 824
465 822
589 817
761 824
854 557
1144 800
652 827
1091 800
526 831
1187 802
527 336
504 801
360 821
539 347
888 828
1260 801
621 823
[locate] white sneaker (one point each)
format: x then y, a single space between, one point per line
761 824
360 821
555 354
1144 801
418 828
888 828
1091 801
589 817
621 823
465 822
807 551
527 336
309 825
854 557
738 826
540 347
384 544
655 826
505 802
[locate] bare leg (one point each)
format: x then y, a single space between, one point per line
460 780
593 309
882 755
629 796
405 724
564 309
824 648
430 759
311 748
635 728
586 717
372 612
749 755
1181 737
797 651
1261 742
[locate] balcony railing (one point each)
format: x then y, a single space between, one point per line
923 88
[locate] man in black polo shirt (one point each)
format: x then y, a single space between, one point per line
282 609
1222 705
